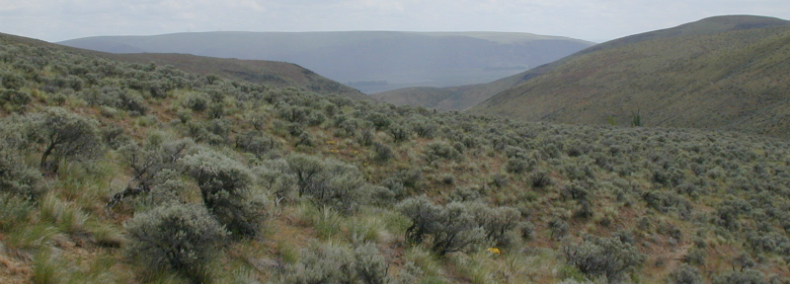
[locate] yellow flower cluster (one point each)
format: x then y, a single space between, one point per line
494 250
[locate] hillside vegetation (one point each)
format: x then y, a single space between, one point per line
463 97
689 76
372 61
271 73
450 98
116 172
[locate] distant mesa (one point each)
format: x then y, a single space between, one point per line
359 84
403 59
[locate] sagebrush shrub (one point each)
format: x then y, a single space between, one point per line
180 237
436 151
608 257
16 176
225 187
747 276
329 182
328 263
14 210
496 222
64 135
256 143
685 274
451 228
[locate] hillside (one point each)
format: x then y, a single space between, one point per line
272 73
277 74
368 60
461 98
117 172
718 73
452 98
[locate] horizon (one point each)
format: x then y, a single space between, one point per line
595 21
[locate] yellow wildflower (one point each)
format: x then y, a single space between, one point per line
494 250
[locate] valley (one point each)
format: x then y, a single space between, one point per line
655 158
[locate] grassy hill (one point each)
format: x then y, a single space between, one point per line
277 74
719 73
118 172
461 98
371 61
452 98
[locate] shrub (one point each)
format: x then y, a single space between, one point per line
14 210
12 81
335 264
225 187
456 230
64 135
16 176
383 153
424 129
180 237
295 114
685 274
15 98
665 201
256 143
608 257
575 191
148 160
439 150
380 121
275 176
559 228
517 166
496 222
197 102
540 179
115 97
695 256
452 228
748 276
328 182
399 133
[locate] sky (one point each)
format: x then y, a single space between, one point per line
594 20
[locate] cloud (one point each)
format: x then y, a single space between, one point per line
56 20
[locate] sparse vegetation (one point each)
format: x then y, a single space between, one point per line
337 194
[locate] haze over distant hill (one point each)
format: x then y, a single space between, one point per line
371 61
463 97
728 72
277 74
273 73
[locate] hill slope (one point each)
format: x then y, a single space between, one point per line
452 98
370 61
226 181
718 73
278 74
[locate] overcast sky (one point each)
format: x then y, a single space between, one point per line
597 20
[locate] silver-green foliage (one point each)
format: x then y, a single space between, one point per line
452 227
685 274
329 263
225 187
64 135
16 176
180 237
14 210
608 257
329 183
